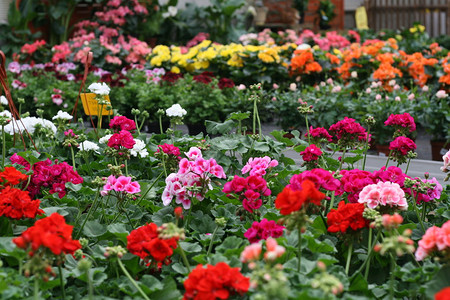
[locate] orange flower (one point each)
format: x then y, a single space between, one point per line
333 58
303 63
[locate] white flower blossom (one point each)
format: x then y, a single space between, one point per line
139 148
176 111
99 88
3 100
88 146
105 139
303 47
29 123
62 115
6 113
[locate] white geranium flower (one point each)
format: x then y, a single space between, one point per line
105 139
99 88
3 100
171 12
62 115
29 123
6 113
139 148
303 47
88 146
176 111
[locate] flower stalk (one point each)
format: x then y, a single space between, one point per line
133 282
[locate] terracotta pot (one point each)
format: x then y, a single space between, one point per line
438 149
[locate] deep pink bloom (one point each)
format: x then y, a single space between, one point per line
311 153
320 177
319 133
402 145
169 149
16 159
119 123
121 139
263 230
348 131
352 183
404 120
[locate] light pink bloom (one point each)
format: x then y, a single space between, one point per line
194 153
273 250
383 194
446 159
251 252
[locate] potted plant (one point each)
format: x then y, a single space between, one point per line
434 115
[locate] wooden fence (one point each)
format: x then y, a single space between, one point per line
401 14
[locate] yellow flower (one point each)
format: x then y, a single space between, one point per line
235 61
421 28
337 52
399 37
160 49
316 47
156 61
265 57
199 65
413 29
175 69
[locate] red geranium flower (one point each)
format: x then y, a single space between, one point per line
145 243
290 200
346 216
443 294
215 282
225 83
52 233
17 204
123 138
10 176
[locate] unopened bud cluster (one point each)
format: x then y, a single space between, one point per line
170 230
328 283
116 251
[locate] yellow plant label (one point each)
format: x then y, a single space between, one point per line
361 18
91 106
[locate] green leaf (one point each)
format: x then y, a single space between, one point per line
439 281
168 292
190 247
150 284
94 229
179 268
358 283
220 128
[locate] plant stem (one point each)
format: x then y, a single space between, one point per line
331 202
392 280
389 158
137 125
148 190
299 256
342 158
254 116
3 146
417 211
212 241
349 257
61 282
90 287
36 288
89 213
407 166
307 129
126 168
366 148
160 125
73 158
133 282
369 250
185 260
424 211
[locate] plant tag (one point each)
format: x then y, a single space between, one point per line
91 107
443 151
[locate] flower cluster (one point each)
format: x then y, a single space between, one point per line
30 124
87 146
435 239
122 139
259 165
62 115
253 251
119 123
346 216
348 132
53 176
319 135
99 88
176 111
169 149
263 230
51 233
386 194
122 185
322 179
215 282
400 147
311 153
291 200
16 159
249 190
146 243
15 203
403 123
192 179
